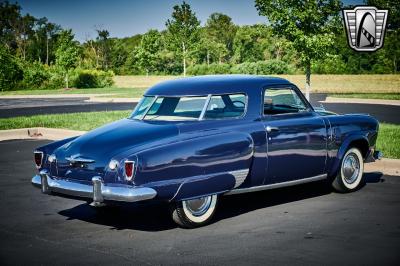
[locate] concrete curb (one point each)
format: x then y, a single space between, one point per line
360 101
53 96
97 99
38 133
385 166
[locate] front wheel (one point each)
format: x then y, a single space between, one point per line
351 171
195 212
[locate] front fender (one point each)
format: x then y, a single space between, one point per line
342 151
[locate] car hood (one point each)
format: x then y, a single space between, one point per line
101 144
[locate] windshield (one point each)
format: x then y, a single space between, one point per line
175 108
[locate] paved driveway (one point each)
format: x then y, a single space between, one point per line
306 225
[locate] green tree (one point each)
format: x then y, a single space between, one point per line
10 71
392 40
147 53
208 50
67 53
220 29
310 25
250 43
103 43
183 30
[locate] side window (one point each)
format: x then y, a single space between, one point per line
226 106
282 101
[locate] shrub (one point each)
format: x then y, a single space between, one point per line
263 68
213 68
36 76
10 71
329 65
84 78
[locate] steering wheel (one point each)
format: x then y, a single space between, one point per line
239 102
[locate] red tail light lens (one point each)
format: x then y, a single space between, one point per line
129 170
38 159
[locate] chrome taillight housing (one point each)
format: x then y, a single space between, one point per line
129 170
38 155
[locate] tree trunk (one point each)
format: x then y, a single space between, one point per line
308 75
47 50
208 58
66 79
184 58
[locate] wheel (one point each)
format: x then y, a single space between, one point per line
194 213
351 172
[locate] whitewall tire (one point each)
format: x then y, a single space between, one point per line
351 171
195 212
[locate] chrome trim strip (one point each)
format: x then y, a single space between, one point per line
203 112
78 160
148 108
277 185
240 176
98 191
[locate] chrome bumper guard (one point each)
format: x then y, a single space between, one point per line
373 156
98 191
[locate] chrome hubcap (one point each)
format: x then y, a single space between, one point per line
351 168
199 206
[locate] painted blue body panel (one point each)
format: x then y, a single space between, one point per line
183 160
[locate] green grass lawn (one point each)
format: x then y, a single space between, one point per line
389 135
383 96
388 140
74 121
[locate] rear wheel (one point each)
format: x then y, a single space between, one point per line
194 213
351 171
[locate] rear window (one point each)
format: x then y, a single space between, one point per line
226 106
176 108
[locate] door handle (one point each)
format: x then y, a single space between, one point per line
270 129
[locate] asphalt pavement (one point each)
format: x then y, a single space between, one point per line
40 106
37 106
303 225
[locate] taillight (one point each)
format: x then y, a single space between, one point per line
38 158
129 170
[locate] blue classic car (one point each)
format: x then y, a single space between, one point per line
191 140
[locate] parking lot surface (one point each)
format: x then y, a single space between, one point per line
303 225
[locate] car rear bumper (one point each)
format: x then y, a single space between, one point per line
373 156
98 191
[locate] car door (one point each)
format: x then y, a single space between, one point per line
296 136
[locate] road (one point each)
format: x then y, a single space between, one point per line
29 107
40 106
303 225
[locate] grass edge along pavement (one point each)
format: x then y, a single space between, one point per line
387 142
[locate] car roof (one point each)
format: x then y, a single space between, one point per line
213 84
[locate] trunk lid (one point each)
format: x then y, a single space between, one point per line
87 155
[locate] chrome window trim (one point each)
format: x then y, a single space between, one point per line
206 103
286 86
148 108
203 111
277 185
234 117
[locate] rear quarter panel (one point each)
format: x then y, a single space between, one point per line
200 162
